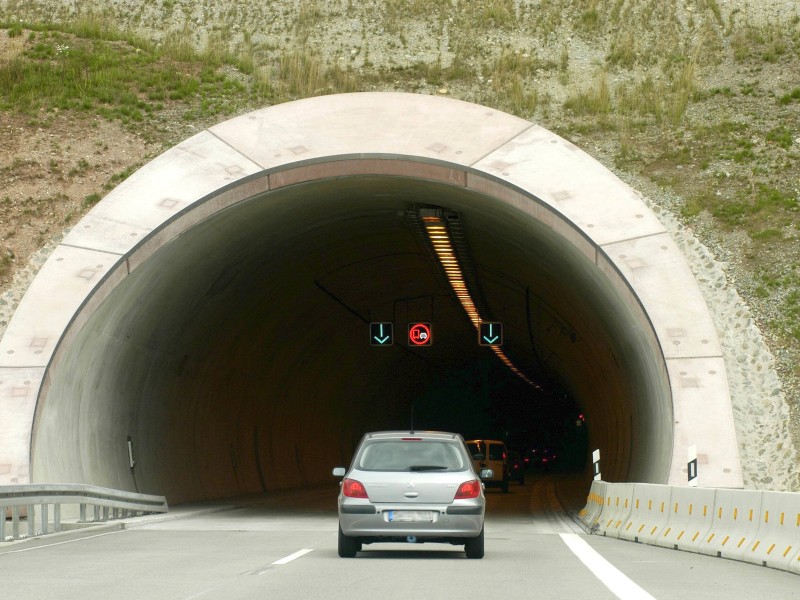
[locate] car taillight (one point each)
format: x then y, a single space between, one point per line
354 489
469 489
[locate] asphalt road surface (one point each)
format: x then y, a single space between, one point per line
284 547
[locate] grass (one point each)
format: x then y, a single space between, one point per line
117 80
594 100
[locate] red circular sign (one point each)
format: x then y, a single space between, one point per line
419 334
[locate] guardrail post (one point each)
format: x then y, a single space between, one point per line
45 519
95 513
15 522
105 513
2 523
57 517
82 517
31 521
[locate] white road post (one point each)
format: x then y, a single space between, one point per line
692 466
596 462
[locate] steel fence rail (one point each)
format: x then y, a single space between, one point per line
28 507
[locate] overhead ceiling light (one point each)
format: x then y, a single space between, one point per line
439 236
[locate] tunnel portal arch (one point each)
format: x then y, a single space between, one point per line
63 417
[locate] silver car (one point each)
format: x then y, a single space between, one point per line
411 487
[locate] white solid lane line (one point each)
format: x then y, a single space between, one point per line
72 541
611 577
291 557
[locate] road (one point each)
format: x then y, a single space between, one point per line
284 547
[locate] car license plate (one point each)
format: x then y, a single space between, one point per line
410 516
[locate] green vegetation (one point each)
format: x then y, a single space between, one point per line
117 78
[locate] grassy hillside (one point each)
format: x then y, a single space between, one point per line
696 100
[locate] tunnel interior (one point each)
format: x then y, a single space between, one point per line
236 359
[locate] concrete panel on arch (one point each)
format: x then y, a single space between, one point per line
569 180
700 398
374 123
63 284
656 269
157 192
19 388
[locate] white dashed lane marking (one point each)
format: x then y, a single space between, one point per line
611 577
291 557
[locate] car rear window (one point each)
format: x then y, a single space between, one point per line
478 450
475 449
398 455
496 451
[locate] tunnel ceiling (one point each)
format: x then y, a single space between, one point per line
233 353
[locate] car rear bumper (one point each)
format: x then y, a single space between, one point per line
372 521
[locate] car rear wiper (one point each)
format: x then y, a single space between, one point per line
426 468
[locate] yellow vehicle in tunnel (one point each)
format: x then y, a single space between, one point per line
491 454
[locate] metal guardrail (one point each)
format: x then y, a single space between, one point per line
28 507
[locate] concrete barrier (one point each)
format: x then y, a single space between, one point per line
691 517
777 541
649 513
735 523
746 525
595 501
794 564
617 508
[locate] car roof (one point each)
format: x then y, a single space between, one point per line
425 435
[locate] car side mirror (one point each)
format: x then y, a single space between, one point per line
486 473
338 472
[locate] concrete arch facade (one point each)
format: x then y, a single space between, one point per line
481 156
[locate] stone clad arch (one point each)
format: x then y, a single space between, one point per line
57 414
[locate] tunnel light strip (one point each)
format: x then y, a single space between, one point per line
439 236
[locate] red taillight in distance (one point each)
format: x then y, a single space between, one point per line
469 489
354 489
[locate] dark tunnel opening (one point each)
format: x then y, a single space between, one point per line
237 358
482 400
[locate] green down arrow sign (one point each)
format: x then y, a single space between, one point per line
490 334
381 334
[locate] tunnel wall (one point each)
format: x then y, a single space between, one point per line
508 159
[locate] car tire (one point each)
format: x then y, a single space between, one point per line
474 546
348 547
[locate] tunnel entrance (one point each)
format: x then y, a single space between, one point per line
202 332
237 359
